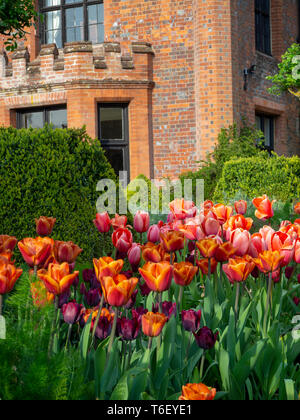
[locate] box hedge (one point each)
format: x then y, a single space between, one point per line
276 176
51 173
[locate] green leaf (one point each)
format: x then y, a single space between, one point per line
290 390
85 336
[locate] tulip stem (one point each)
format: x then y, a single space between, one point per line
112 334
51 340
149 343
35 270
202 366
97 318
68 336
180 298
209 268
267 304
160 311
237 296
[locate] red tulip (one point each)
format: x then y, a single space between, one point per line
264 207
297 208
134 256
240 240
238 269
297 251
182 209
44 225
118 290
240 207
119 222
122 240
9 274
66 251
35 251
257 245
285 245
153 234
7 243
102 222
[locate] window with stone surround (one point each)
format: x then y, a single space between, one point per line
263 26
113 134
71 20
266 124
38 117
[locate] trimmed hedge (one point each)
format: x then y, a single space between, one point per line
276 176
51 173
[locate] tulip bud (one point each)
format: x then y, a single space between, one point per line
71 312
191 320
205 338
153 234
168 308
139 312
134 256
298 278
296 301
240 207
128 329
44 225
92 297
289 271
141 221
102 222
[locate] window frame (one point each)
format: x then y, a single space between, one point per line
62 8
118 143
261 33
272 118
44 109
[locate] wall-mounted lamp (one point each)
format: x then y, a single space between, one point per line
248 72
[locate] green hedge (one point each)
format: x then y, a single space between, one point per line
51 173
278 177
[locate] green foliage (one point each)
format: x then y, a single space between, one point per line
15 17
287 78
46 172
278 177
26 372
232 142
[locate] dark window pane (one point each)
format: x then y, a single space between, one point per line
74 24
58 118
33 119
263 26
116 159
111 124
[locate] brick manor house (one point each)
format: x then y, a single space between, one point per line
154 80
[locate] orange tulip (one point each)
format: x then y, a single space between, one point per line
7 255
238 221
154 253
291 229
283 243
9 274
297 208
172 241
224 252
264 207
269 261
207 247
107 267
119 222
117 290
44 225
35 251
222 212
203 265
40 295
66 251
7 243
240 206
238 269
153 323
184 272
182 209
158 276
57 279
198 392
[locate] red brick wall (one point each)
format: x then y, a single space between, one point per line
201 48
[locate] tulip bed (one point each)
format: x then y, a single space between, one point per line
201 307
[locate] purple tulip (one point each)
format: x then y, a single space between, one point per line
89 276
139 312
71 312
289 271
145 290
205 338
191 320
92 297
103 328
64 298
168 308
128 329
132 300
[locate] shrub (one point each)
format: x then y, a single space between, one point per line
232 142
278 177
52 173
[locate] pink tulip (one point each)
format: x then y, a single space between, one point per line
257 245
283 243
153 234
134 256
297 254
141 221
102 222
240 240
240 207
267 232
